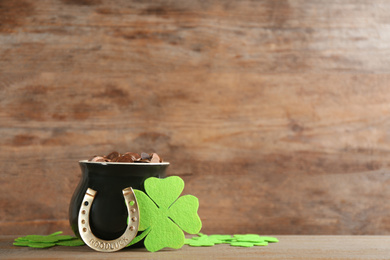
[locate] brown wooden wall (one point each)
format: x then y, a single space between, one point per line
275 113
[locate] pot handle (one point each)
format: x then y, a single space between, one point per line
108 245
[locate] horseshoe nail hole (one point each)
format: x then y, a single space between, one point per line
133 210
134 219
83 221
132 203
132 228
86 203
84 230
83 212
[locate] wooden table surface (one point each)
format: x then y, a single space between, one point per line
289 247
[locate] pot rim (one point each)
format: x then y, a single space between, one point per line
124 163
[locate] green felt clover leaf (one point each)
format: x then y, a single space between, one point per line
261 243
247 240
72 242
242 244
39 241
223 238
270 239
199 242
56 233
252 238
205 240
34 244
165 214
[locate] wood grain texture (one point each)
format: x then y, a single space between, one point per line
275 113
288 247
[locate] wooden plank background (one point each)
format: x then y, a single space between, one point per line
275 113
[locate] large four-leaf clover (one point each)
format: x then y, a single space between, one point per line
164 215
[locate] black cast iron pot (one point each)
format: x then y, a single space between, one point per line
108 216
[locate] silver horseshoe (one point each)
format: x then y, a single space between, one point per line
108 245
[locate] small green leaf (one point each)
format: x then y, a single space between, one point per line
34 244
241 244
56 233
203 240
39 238
64 237
200 243
264 243
21 243
21 239
223 238
241 240
270 239
41 245
74 242
39 241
